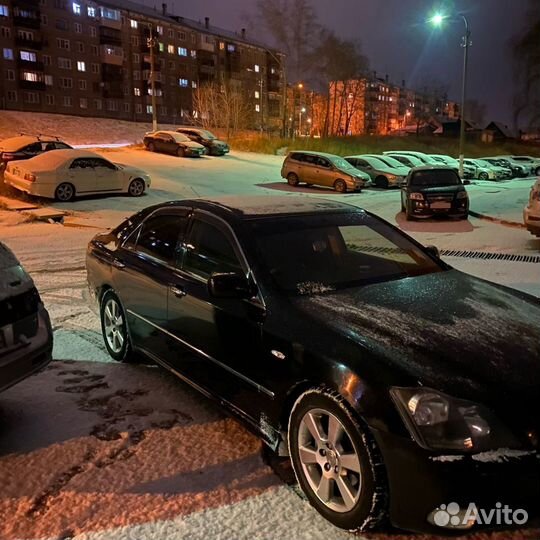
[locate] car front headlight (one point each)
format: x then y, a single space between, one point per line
416 197
437 421
461 195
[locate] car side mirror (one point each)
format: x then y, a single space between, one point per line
229 285
433 251
466 182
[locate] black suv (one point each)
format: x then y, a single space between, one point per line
215 146
396 381
26 147
25 328
434 190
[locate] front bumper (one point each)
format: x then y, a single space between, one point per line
219 150
458 207
18 363
420 482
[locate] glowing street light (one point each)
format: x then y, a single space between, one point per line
437 21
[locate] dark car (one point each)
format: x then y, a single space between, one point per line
171 142
398 383
434 190
26 147
214 146
25 328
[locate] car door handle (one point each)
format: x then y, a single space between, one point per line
117 263
177 290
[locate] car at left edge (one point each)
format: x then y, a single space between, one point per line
66 174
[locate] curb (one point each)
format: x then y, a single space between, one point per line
504 222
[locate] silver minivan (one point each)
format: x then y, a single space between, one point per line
321 169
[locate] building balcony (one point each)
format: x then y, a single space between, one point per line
27 65
110 92
32 85
207 69
109 36
116 24
27 22
33 44
112 55
111 73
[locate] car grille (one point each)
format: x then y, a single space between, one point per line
440 198
17 308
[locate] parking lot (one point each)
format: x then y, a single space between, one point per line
117 450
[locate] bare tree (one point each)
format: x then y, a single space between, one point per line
476 111
527 62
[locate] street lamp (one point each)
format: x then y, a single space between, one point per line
302 111
437 21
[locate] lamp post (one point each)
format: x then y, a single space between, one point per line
302 111
297 87
437 20
152 42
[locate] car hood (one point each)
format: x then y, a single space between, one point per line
13 278
446 330
131 170
192 144
217 142
353 171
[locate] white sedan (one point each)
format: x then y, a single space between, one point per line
64 174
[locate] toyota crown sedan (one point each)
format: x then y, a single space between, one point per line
395 383
65 174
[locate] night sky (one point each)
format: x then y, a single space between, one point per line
398 42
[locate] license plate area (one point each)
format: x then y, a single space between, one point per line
441 205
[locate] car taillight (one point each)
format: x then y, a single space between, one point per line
30 177
6 156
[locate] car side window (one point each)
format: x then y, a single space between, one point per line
61 146
33 148
309 159
361 163
159 235
322 162
297 157
81 163
208 251
103 163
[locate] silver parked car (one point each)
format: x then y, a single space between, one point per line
382 175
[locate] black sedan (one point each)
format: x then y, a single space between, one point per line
171 142
26 147
396 383
214 146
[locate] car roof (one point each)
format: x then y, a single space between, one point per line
313 153
433 167
13 144
54 158
251 207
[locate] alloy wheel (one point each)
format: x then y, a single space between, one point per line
65 192
136 188
329 460
113 323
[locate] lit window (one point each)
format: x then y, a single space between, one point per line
81 66
112 14
257 68
161 47
133 23
231 47
182 51
159 30
149 109
258 108
221 45
28 56
137 91
76 8
28 76
257 94
170 49
91 11
183 82
193 54
4 11
193 84
8 54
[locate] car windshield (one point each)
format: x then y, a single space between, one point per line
207 135
434 177
482 163
318 254
391 162
341 163
180 137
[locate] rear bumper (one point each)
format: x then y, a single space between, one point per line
22 362
420 482
423 209
532 221
32 188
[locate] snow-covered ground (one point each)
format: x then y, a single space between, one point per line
91 449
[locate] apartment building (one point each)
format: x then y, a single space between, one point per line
91 58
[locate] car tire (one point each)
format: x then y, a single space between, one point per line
537 171
114 327
181 152
151 147
381 182
483 176
136 187
292 179
408 214
403 209
351 493
64 192
340 186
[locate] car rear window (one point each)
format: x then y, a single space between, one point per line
443 177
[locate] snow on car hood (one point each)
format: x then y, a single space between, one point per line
131 170
445 329
192 144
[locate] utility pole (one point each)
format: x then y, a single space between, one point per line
466 44
152 42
